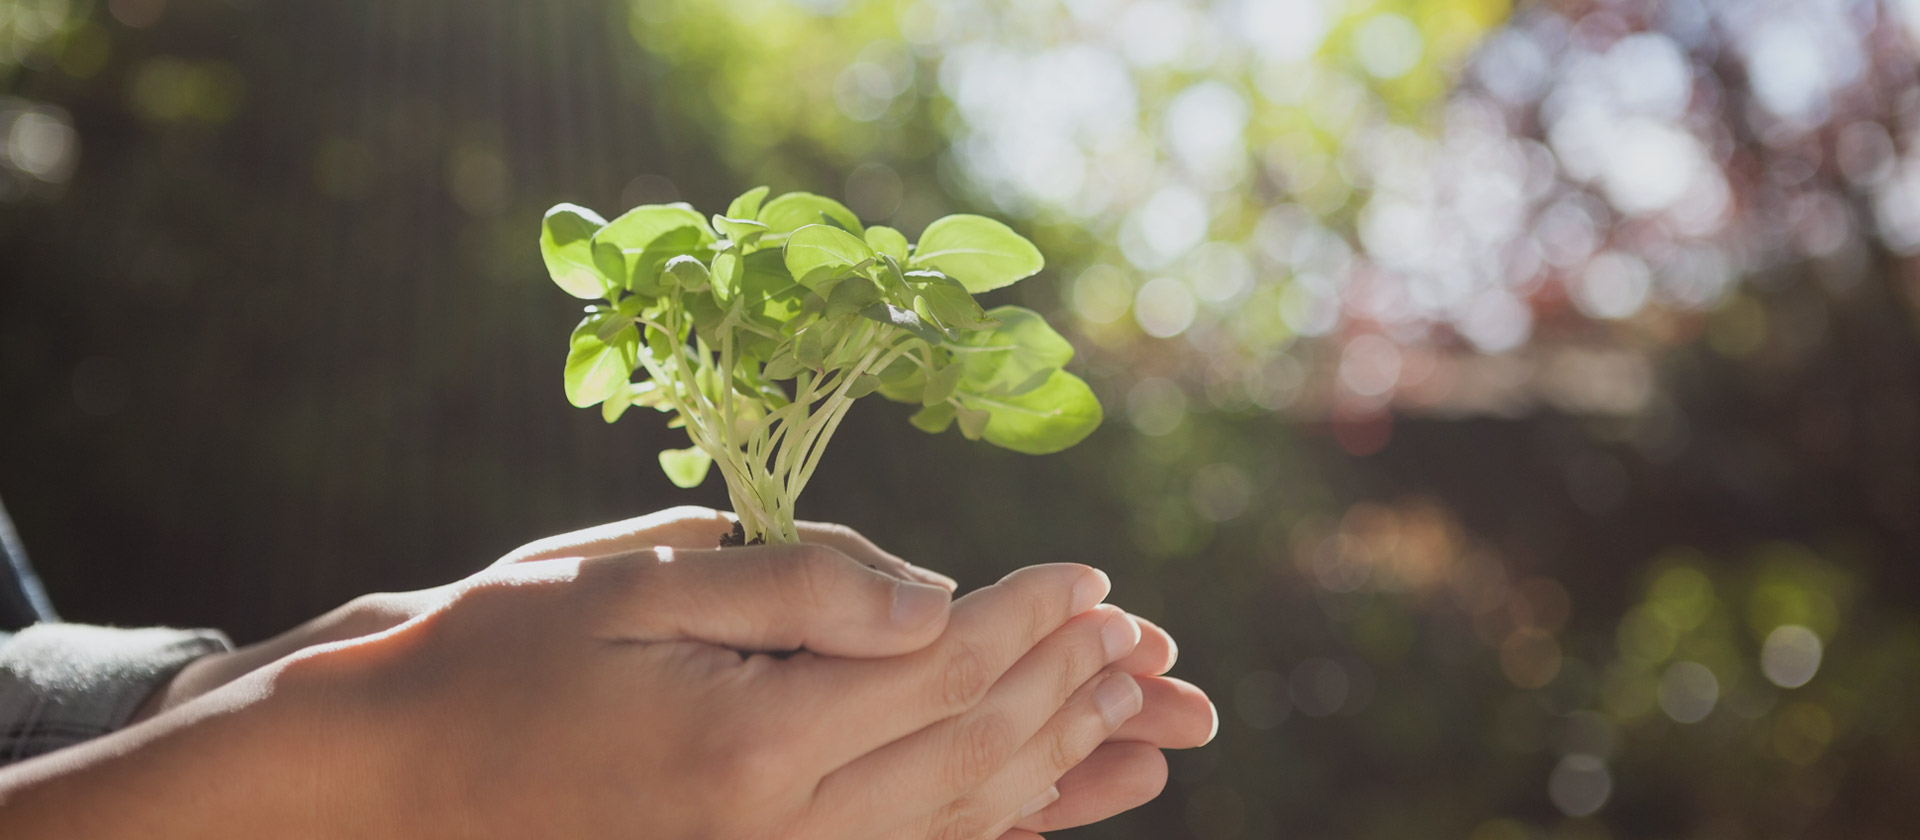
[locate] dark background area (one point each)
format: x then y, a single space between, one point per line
282 337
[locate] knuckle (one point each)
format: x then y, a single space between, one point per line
983 744
748 766
1063 749
964 677
1075 663
818 571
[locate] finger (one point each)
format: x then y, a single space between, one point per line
687 526
1175 716
864 706
851 543
1020 834
1154 655
1006 823
1117 777
764 598
694 527
1093 713
920 772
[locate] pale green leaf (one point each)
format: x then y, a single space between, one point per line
685 467
979 252
566 244
886 240
1015 355
941 384
973 422
933 419
817 253
747 206
1056 415
637 228
905 319
597 368
796 210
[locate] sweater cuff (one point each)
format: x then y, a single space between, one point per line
61 684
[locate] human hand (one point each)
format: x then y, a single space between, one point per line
1120 775
1125 772
605 696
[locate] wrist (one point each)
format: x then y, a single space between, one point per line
240 762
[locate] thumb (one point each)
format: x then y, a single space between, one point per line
784 597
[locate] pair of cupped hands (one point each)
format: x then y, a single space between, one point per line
630 680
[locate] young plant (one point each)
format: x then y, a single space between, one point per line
758 329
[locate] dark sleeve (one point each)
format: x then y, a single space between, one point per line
61 684
22 601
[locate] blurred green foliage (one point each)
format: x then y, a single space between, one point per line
1518 429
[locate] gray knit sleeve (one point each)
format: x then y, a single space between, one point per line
61 684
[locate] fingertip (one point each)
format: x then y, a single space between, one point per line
1090 590
935 578
918 605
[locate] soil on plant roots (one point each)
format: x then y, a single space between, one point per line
738 537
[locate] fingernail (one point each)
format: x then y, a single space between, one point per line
915 604
950 584
1119 698
1033 806
1090 590
1118 636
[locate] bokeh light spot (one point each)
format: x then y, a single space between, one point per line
1688 692
1388 46
1164 307
1791 656
1579 785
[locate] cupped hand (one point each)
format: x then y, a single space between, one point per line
607 696
1122 773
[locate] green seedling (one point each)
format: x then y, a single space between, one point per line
758 329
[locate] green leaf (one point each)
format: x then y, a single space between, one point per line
947 301
566 244
768 294
941 384
933 419
610 327
783 364
685 467
741 231
596 368
1014 356
1056 415
705 312
905 319
886 240
851 295
650 266
863 385
612 264
903 381
796 210
747 206
816 343
726 274
690 271
614 405
973 422
979 252
818 253
637 228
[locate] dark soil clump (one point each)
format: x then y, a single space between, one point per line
738 537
